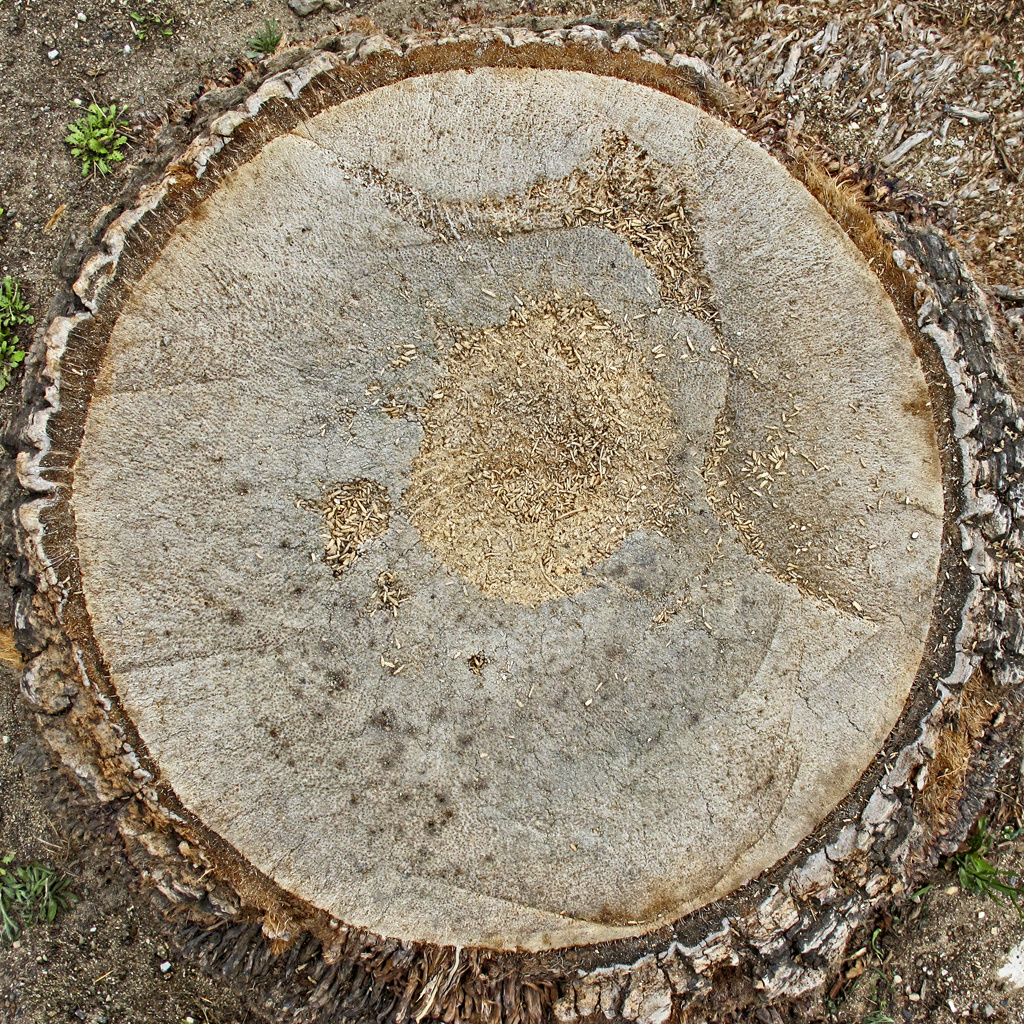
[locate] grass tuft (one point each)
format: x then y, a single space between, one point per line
96 138
267 39
30 894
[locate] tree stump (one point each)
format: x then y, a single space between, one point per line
492 516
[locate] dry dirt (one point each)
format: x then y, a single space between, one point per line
867 79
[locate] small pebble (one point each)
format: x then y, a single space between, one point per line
53 54
165 967
127 48
81 17
914 536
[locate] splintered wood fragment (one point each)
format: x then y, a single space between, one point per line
904 148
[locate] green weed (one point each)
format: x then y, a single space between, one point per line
13 314
881 981
30 894
918 895
1011 66
977 874
96 138
267 39
13 308
144 24
10 358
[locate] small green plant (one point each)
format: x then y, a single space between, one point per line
143 24
10 357
96 138
878 1017
13 308
13 314
29 894
1011 66
266 40
977 874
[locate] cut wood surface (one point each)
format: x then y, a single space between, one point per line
480 580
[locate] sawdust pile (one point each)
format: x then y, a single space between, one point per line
546 446
354 514
644 202
621 188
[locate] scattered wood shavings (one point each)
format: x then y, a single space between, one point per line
354 514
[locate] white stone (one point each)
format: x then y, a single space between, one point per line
1012 971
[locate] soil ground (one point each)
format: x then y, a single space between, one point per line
865 79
